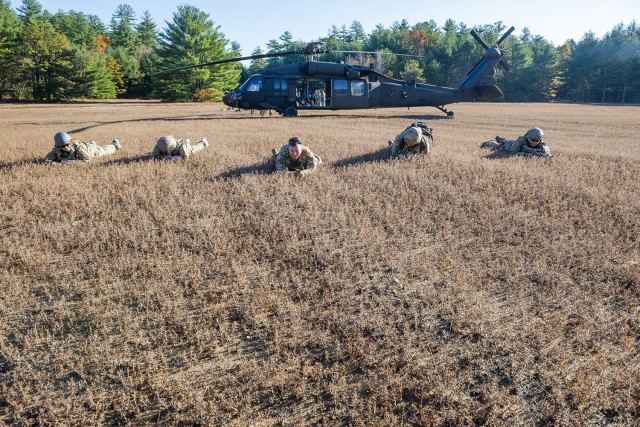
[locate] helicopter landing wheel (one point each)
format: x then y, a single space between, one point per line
291 111
444 110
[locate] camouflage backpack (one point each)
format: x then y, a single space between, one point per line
426 130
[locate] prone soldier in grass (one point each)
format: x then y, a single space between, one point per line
168 147
414 140
295 158
68 149
530 144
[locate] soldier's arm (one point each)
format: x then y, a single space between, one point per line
82 153
425 147
396 149
50 157
546 151
539 152
312 161
185 151
156 152
280 162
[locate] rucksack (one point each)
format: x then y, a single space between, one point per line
426 130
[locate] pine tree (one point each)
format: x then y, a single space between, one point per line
100 83
122 31
45 61
30 9
257 65
146 29
9 29
191 39
412 71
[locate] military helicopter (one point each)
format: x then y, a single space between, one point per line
289 88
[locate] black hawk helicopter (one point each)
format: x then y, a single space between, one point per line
315 85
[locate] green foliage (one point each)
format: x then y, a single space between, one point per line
146 30
122 31
412 71
30 10
45 61
77 27
100 84
257 64
190 39
37 48
9 29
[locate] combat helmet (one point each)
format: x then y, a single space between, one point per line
166 143
412 136
61 139
535 134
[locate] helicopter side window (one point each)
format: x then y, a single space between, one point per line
339 87
357 88
255 85
280 87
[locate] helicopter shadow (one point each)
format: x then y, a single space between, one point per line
381 155
412 117
153 119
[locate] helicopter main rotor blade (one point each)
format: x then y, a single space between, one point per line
383 53
236 59
505 35
478 39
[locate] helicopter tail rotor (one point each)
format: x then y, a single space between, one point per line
479 81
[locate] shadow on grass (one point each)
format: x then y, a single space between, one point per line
153 119
261 168
204 117
18 163
500 154
380 155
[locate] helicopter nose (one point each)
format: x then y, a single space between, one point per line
226 99
229 99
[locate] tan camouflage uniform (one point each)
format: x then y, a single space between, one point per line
518 147
82 151
183 149
306 163
400 148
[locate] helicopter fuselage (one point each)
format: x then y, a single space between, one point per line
332 86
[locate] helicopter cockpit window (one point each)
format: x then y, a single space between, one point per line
357 88
255 84
339 87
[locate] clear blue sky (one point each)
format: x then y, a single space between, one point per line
252 23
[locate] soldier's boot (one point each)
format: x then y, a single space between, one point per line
117 144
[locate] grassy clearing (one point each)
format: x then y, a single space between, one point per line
446 290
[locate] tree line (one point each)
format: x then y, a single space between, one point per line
52 57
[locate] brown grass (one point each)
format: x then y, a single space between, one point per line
447 290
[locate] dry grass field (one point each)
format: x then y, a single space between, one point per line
452 289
